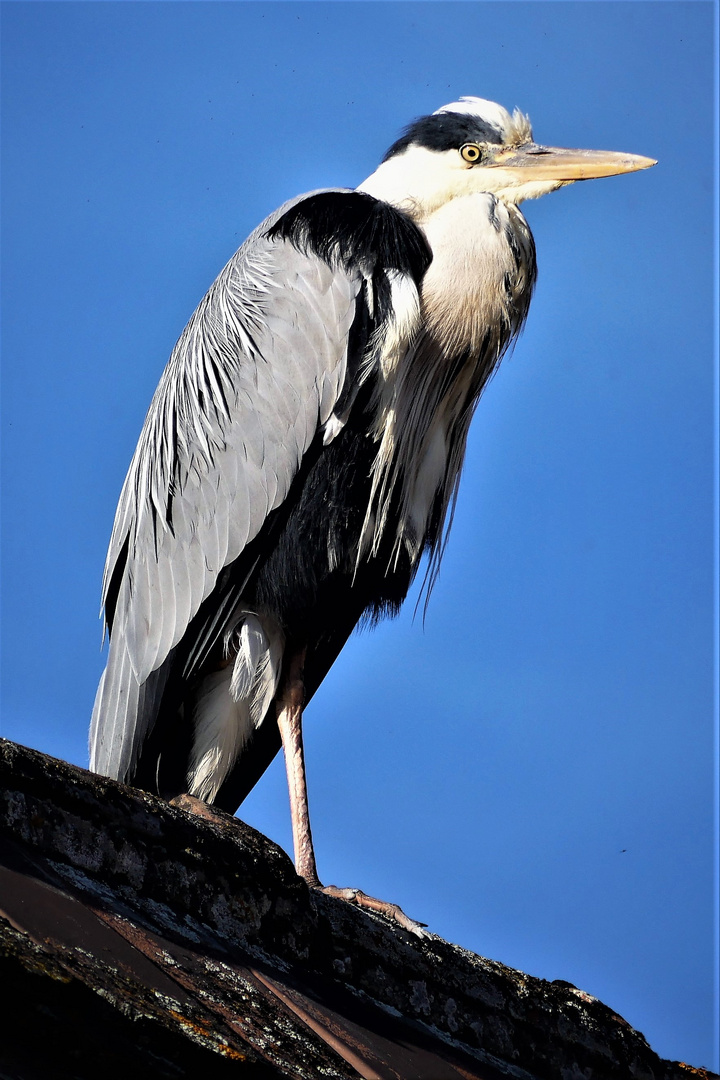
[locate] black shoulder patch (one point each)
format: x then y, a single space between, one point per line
446 131
356 230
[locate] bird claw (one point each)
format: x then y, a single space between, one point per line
199 808
391 911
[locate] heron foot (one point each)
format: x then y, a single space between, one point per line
201 809
390 911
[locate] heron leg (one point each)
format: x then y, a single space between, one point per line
289 720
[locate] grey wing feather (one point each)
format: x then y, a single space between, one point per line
257 371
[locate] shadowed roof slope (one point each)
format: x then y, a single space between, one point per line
139 937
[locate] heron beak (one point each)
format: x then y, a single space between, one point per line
554 163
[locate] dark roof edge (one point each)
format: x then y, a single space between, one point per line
217 888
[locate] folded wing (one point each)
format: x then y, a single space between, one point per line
256 373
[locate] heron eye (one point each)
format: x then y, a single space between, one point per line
470 152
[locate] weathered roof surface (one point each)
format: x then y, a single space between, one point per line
143 941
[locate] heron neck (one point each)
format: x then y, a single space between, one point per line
412 182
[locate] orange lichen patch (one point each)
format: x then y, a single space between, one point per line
202 1029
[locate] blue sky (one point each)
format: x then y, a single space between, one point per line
531 770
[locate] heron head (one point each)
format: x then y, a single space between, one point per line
474 145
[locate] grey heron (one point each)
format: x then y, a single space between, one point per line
304 446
